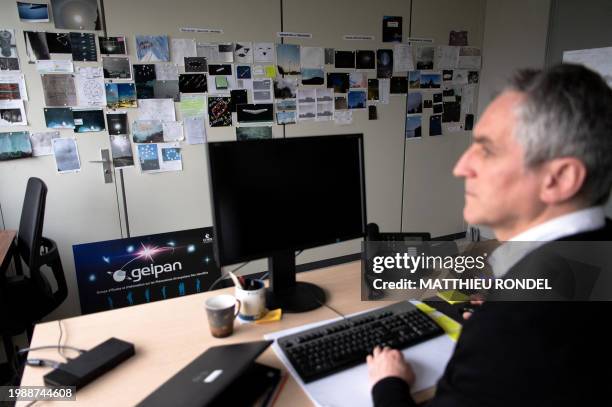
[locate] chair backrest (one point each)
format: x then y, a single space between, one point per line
31 223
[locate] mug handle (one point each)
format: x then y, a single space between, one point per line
237 308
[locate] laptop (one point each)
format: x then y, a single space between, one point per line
215 375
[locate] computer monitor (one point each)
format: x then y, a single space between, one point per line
273 197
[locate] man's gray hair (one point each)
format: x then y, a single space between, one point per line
567 112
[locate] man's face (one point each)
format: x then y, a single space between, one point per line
499 191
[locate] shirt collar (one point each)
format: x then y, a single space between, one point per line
508 254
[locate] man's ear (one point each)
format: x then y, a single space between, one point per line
563 179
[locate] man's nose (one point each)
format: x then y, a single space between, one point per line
463 168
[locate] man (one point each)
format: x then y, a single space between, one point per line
539 169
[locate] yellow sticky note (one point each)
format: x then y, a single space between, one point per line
453 297
272 316
270 71
450 326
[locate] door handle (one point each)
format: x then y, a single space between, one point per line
106 165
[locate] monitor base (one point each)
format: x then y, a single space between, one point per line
301 297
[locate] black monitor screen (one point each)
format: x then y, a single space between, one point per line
286 194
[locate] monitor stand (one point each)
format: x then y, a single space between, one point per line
285 292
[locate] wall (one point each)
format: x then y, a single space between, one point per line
81 209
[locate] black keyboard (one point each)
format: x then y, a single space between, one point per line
327 349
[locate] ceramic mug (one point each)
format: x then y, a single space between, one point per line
221 311
253 299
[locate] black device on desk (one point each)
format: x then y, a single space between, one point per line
271 198
90 365
222 376
327 349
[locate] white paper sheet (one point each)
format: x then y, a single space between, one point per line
193 104
12 113
263 51
195 130
166 72
156 109
446 57
402 58
343 117
351 388
384 90
467 99
42 142
209 51
181 48
54 66
89 83
469 58
598 59
312 57
173 131
212 85
15 77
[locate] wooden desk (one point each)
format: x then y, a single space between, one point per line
169 334
7 244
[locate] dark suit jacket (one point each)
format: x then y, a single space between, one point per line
525 353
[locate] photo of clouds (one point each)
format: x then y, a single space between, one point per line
76 14
152 48
59 118
288 59
87 121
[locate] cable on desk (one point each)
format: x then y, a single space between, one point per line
24 350
223 276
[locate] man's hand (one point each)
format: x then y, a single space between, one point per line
387 362
476 302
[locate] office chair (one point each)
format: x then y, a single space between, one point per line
25 299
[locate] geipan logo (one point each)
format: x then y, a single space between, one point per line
154 270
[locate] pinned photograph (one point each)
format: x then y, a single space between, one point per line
469 58
238 97
221 82
253 133
313 76
42 142
435 125
120 95
59 118
287 104
425 57
473 77
33 12
312 57
166 72
12 113
357 99
152 48
451 113
171 158
447 75
339 81
224 69
59 43
195 64
262 91
340 103
173 131
192 83
414 79
59 90
15 145
392 29
8 46
76 14
219 112
181 48
365 60
166 90
431 80
307 112
243 72
148 157
399 85
306 95
36 45
330 54
147 131
344 59
285 88
66 155
413 126
358 80
460 77
373 89
288 59
116 68
243 53
324 95
9 64
325 111
112 45
372 112
458 38
88 121
117 123
263 52
414 103
438 108
121 151
255 113
83 47
285 117
9 91
384 63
